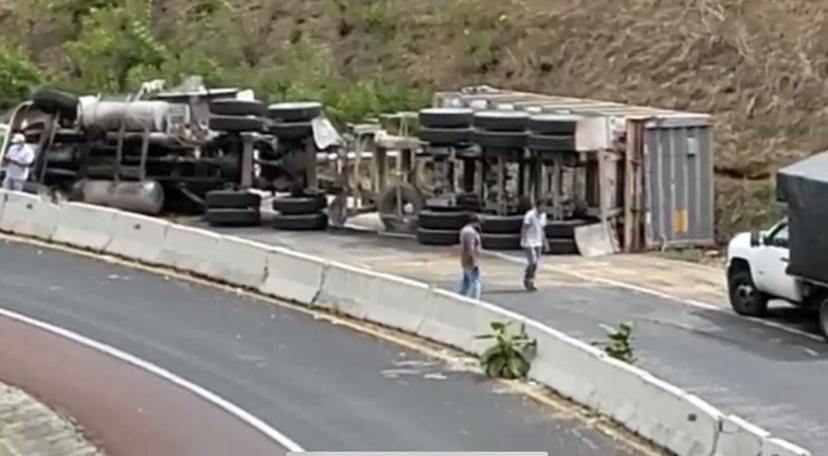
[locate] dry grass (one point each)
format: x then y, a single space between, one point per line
759 66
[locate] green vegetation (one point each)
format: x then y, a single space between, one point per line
619 343
510 356
17 76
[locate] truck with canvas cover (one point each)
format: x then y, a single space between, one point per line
789 261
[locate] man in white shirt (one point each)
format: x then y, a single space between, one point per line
533 240
17 162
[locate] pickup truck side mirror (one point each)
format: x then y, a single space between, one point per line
754 239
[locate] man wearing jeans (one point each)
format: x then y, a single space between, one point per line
533 240
17 162
470 258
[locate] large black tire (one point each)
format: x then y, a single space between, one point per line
563 229
231 199
745 298
500 241
387 206
442 220
823 317
501 224
304 222
426 236
562 247
446 117
299 205
291 130
501 120
460 137
558 143
235 124
233 107
553 124
55 101
500 139
233 217
302 111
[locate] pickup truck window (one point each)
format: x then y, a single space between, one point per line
779 238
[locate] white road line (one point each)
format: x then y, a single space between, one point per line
660 294
147 366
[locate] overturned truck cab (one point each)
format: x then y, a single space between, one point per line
790 260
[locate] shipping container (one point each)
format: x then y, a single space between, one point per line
678 163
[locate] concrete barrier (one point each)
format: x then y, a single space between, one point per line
293 276
778 447
138 237
29 215
380 298
737 437
85 226
189 249
239 262
3 195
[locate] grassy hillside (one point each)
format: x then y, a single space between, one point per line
759 66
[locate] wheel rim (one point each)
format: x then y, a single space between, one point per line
745 295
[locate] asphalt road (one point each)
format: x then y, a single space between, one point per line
769 376
326 387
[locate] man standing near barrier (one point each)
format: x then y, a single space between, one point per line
17 162
533 242
470 258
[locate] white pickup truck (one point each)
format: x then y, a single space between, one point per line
757 271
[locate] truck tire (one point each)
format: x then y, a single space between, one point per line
439 136
501 224
500 139
388 210
298 205
562 247
553 124
291 130
563 229
500 241
501 120
426 236
236 124
233 217
53 101
442 220
304 222
233 107
823 317
551 143
445 117
303 111
230 199
744 297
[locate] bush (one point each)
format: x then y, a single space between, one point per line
18 75
511 355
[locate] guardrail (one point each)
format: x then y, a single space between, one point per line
658 411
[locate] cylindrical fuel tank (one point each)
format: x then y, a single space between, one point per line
146 197
138 115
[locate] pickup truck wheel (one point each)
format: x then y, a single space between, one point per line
744 297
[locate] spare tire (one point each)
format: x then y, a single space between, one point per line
303 222
562 247
235 124
234 107
291 130
501 120
389 212
558 143
500 139
55 101
426 236
500 241
563 229
445 117
231 199
303 111
442 220
233 217
501 224
299 205
445 136
554 124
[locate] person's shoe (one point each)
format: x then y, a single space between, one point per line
527 285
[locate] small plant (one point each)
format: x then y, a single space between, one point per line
511 355
619 342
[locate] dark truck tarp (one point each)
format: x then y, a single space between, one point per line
804 187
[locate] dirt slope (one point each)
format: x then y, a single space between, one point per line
759 66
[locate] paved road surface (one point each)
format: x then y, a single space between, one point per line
326 387
769 376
